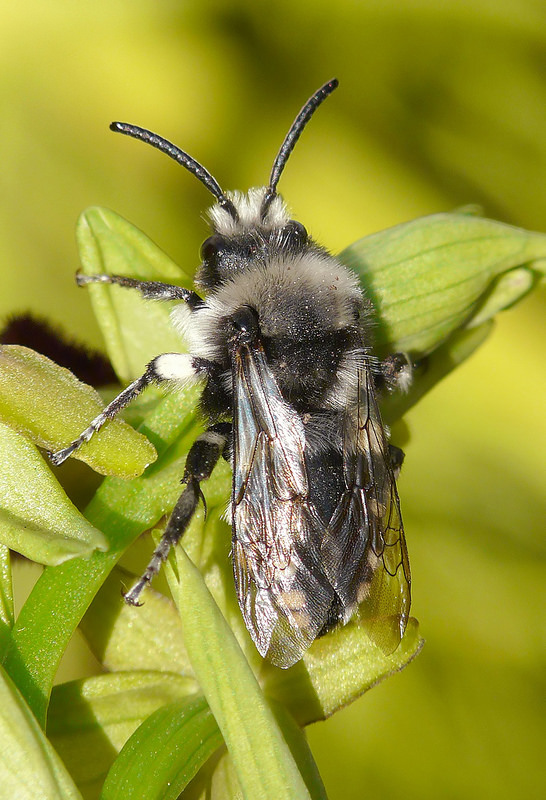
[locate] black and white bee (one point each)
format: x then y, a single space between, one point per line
281 341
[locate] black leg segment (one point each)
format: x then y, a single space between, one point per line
201 460
396 456
396 373
174 367
150 290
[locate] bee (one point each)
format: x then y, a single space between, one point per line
281 341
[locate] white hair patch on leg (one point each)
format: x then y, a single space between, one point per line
176 367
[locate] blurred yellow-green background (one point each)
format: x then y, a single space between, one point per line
440 104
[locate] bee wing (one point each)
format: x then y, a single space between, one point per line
364 551
282 590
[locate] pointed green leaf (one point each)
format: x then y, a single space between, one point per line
217 780
263 762
435 367
135 330
164 753
299 747
52 407
29 766
123 510
508 289
336 670
6 600
36 517
428 277
98 715
124 637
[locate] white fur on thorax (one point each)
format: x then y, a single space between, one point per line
270 285
262 287
248 207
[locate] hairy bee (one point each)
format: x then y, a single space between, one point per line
281 340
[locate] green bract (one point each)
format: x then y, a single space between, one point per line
433 276
184 683
50 406
99 715
29 765
134 329
47 532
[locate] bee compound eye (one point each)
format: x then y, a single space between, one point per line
212 246
245 322
297 233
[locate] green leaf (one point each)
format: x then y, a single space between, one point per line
52 407
47 532
98 715
124 637
337 668
29 766
428 277
164 753
216 780
434 368
263 762
7 616
508 289
123 510
299 747
134 330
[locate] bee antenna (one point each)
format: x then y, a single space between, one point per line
292 137
181 157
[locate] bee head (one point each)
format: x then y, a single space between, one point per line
251 240
243 224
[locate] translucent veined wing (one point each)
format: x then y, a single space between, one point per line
364 549
282 590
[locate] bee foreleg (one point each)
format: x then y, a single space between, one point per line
201 460
150 290
174 367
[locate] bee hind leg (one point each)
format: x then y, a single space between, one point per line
201 460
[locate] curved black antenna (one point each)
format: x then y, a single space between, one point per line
292 137
181 157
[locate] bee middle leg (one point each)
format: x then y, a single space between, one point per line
202 458
150 290
397 457
396 372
